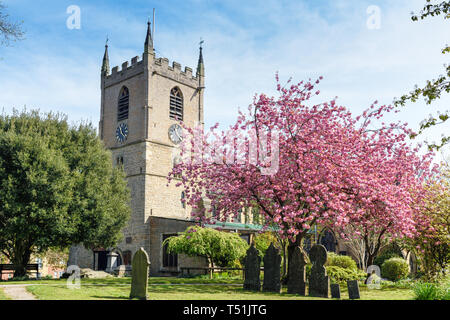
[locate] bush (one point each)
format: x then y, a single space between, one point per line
379 260
395 269
339 274
430 291
345 262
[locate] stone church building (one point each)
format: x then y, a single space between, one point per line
141 105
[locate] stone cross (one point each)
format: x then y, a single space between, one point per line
319 282
353 289
335 291
297 273
139 274
272 263
252 269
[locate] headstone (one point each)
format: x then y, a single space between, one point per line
353 289
252 269
272 263
139 274
120 271
319 282
335 291
297 272
111 261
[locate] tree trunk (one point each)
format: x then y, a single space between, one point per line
284 260
20 260
211 270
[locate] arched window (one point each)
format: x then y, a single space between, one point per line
328 240
122 107
176 104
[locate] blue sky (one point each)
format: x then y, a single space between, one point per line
246 42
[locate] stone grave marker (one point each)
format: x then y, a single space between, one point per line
272 263
353 289
139 274
121 271
252 269
319 282
297 272
335 291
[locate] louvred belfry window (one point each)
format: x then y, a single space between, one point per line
122 110
176 104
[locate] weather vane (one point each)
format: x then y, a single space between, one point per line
201 42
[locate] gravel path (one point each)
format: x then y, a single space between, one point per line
18 293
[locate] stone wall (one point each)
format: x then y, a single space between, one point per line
81 257
158 227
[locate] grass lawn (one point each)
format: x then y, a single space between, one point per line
184 289
2 295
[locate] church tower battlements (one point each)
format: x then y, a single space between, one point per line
142 104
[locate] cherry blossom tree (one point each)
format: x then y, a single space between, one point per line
323 167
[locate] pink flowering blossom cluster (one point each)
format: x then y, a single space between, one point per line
331 168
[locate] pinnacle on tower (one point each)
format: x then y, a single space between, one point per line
148 47
200 65
105 65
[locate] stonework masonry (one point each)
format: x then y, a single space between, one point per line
147 153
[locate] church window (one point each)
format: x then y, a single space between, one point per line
169 259
176 104
122 108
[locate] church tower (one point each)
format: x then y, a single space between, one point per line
141 106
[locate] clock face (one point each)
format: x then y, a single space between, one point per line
122 132
175 133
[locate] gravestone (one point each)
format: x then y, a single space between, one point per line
319 282
353 289
120 271
139 274
335 291
297 272
272 262
252 269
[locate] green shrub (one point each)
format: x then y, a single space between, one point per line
339 274
379 260
345 262
395 269
427 291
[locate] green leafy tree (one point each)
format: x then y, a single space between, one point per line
263 241
433 88
220 248
57 187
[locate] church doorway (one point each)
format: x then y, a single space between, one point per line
328 240
102 259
